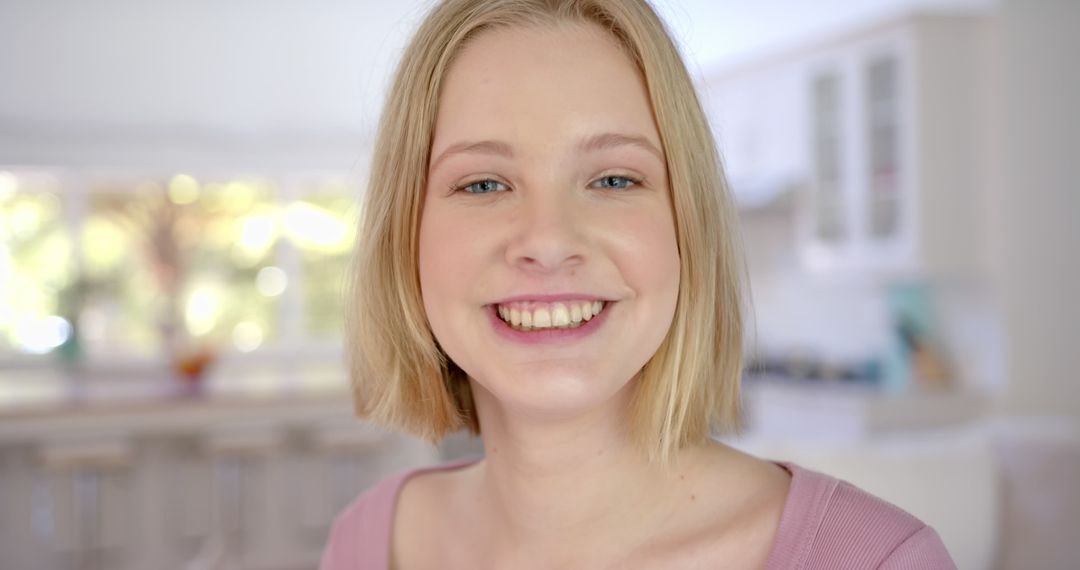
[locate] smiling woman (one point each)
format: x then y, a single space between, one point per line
440 136
548 258
582 214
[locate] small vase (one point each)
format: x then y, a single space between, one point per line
190 369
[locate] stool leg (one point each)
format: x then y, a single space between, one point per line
87 534
230 505
43 507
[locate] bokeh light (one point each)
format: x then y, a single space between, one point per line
312 227
42 335
183 189
247 336
203 309
271 281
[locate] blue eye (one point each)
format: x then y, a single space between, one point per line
615 182
483 187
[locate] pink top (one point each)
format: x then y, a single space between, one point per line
826 524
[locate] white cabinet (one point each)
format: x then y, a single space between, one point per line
757 116
880 134
858 211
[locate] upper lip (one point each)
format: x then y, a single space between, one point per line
550 298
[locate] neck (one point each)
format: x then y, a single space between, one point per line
570 484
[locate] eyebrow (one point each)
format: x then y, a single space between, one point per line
594 143
495 148
604 141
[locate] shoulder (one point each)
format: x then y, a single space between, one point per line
360 534
360 537
831 523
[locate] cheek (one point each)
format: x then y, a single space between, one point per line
648 260
661 274
446 262
434 259
651 254
667 277
432 256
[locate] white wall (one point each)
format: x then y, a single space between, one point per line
1038 210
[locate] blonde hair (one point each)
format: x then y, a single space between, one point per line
402 379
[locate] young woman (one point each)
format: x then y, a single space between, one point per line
548 258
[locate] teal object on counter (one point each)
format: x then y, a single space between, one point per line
912 315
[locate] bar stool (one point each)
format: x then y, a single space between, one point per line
346 456
237 452
81 501
334 470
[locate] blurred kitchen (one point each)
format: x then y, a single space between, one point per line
178 195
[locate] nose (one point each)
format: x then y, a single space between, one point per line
549 234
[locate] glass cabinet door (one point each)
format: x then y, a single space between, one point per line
829 202
883 141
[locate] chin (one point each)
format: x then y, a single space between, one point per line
550 393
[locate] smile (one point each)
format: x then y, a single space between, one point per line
535 316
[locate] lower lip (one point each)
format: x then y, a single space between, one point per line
547 336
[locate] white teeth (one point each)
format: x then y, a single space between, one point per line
556 315
560 316
541 318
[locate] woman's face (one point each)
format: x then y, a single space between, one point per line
547 195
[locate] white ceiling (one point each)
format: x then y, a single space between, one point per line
160 69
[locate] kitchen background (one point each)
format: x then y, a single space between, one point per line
178 187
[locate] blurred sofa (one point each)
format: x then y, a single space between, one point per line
1002 494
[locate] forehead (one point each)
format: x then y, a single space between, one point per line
542 83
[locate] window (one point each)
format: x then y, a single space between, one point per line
120 267
37 283
323 228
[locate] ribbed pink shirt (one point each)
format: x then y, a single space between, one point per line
827 524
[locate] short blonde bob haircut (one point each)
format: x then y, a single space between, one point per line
400 376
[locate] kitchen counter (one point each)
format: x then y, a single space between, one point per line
33 406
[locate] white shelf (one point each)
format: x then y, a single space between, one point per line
824 411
